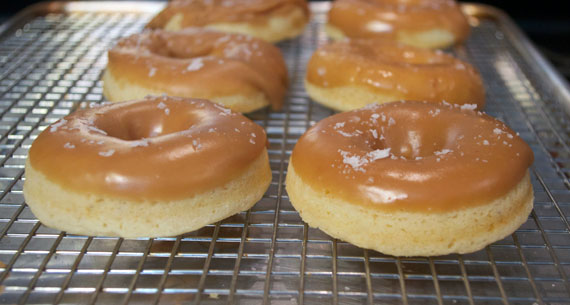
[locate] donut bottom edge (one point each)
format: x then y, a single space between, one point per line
346 98
279 27
434 38
402 233
117 90
100 215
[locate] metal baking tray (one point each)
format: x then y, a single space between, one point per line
51 58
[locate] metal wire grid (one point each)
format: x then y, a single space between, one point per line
265 255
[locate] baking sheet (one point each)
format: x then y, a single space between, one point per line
51 59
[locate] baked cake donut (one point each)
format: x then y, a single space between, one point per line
412 178
238 71
154 167
419 23
271 20
351 74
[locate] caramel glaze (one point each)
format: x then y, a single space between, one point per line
203 12
199 62
412 156
160 148
396 70
386 18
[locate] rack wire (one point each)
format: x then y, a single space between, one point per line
51 64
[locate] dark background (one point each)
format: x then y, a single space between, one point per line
546 22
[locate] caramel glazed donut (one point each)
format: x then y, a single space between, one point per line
412 178
419 23
271 20
155 167
238 71
351 74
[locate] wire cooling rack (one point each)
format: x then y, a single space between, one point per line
51 61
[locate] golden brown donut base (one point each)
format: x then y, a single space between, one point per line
347 97
403 233
119 89
98 214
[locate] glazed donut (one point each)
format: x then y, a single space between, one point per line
147 168
240 72
271 20
419 23
351 74
412 178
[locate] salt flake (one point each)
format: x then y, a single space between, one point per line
378 154
138 143
97 130
374 133
354 161
443 152
195 65
469 107
196 144
108 153
54 127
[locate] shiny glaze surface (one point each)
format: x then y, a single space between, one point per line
385 18
160 148
404 72
198 62
204 12
412 156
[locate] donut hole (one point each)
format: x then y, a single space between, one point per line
182 47
412 56
178 51
412 142
411 147
375 144
145 120
397 54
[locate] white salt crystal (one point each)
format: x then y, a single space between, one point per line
54 127
195 65
469 107
443 152
108 153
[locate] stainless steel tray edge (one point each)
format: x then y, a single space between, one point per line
543 68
